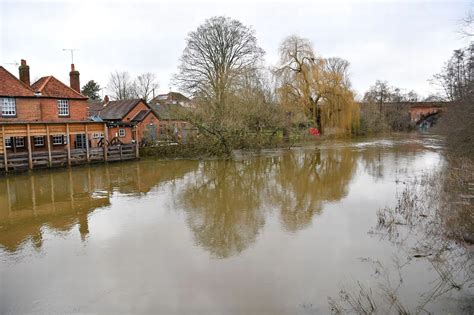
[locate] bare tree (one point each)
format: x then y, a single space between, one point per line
120 86
217 57
216 54
379 93
145 84
457 76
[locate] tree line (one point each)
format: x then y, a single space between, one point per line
238 101
122 86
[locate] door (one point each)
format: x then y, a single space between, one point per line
80 141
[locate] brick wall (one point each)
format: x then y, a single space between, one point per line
139 107
114 132
417 112
45 109
26 109
150 121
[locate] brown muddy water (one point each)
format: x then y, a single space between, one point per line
273 233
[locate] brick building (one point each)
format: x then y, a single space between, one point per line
45 117
128 121
171 109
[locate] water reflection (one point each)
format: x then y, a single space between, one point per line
223 205
306 180
64 199
225 201
282 229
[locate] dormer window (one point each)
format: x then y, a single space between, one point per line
63 108
8 107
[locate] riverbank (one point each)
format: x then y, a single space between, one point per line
203 150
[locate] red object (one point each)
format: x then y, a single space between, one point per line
314 131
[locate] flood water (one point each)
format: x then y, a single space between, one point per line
272 233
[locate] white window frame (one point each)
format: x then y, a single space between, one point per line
38 141
8 107
63 108
122 133
8 143
19 142
98 135
57 137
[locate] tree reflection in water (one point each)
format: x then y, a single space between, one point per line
223 203
226 201
306 180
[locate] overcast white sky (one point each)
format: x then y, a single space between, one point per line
404 42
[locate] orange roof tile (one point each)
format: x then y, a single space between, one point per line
11 86
52 87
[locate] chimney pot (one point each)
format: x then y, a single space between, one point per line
106 100
24 70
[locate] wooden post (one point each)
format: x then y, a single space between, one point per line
53 199
68 145
50 157
120 152
137 150
9 196
106 136
71 188
33 194
30 153
5 158
87 145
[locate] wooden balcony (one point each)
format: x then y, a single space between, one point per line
29 157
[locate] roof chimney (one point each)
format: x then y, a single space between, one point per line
106 100
74 79
24 72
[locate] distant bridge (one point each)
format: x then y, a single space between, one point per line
420 112
425 111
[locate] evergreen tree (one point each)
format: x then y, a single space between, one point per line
91 89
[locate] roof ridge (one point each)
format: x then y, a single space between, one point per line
13 76
48 78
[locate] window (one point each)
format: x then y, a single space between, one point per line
8 107
19 142
121 133
98 135
38 141
8 142
59 140
63 108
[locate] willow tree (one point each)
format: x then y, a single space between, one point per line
315 86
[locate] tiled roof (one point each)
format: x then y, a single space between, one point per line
169 111
94 108
169 98
116 110
141 115
52 87
11 86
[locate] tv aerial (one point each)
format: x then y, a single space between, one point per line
71 50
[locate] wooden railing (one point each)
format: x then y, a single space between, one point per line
59 158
